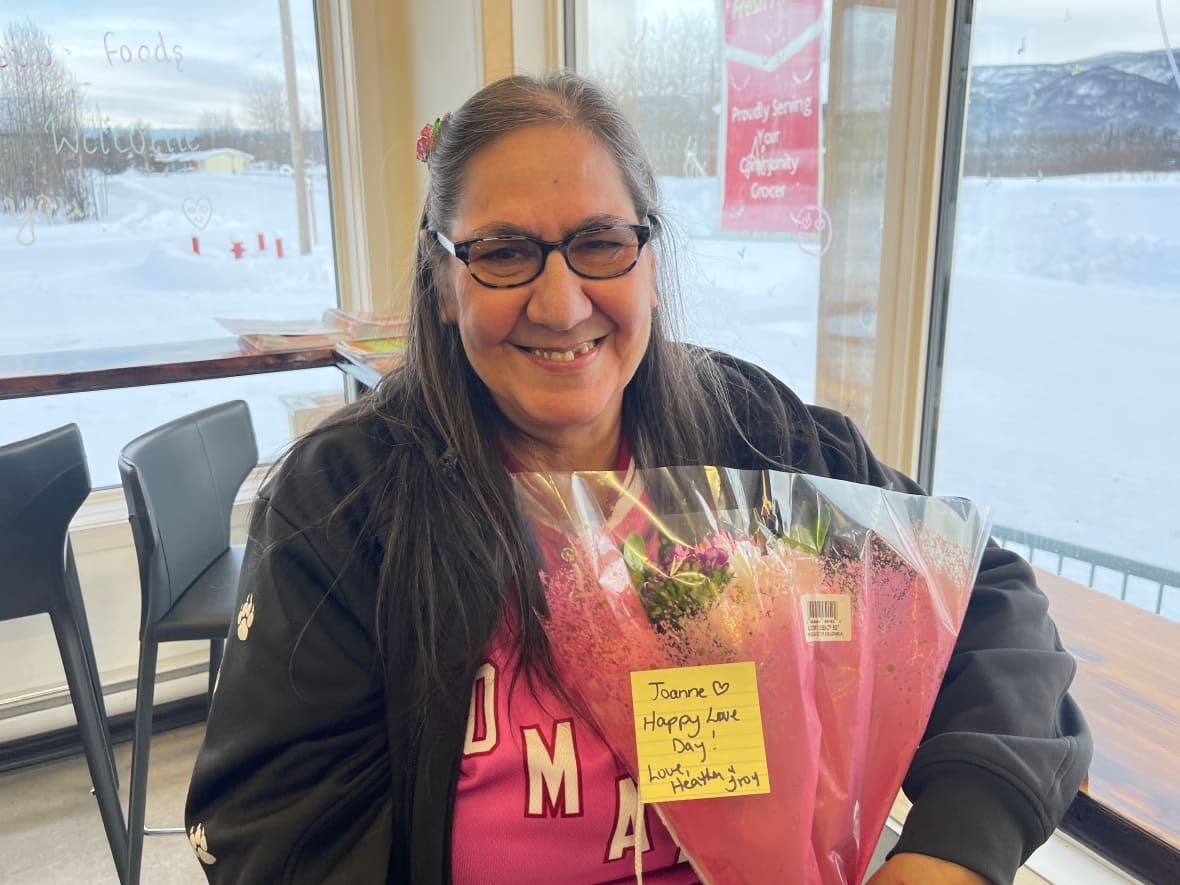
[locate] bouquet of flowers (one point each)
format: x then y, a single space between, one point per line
844 600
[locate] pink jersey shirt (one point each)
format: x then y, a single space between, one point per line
541 798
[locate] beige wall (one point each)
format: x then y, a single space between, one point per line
410 62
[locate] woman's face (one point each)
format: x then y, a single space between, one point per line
555 353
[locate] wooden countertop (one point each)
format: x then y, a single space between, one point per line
43 374
1128 686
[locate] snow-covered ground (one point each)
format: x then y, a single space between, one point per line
1059 406
133 278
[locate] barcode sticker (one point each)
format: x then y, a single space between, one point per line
827 617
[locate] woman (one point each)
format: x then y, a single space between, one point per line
388 583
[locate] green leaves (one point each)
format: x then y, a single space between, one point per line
809 537
635 556
680 582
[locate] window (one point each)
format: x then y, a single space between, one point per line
768 127
1058 400
1056 375
160 167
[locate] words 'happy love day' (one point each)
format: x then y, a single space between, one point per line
684 726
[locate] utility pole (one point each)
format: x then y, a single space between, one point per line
296 126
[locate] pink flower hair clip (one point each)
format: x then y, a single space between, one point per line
428 137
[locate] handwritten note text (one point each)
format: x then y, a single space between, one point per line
699 732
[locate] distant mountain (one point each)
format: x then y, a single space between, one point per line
1070 113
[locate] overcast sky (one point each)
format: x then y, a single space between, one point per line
224 45
1037 31
227 43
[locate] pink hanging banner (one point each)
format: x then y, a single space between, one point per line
772 114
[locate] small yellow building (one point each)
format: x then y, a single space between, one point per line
213 160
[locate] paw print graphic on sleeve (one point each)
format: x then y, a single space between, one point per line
246 617
196 838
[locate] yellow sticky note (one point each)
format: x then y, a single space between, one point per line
699 732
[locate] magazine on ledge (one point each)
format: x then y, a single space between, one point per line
381 354
366 324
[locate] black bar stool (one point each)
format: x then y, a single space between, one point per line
43 482
180 481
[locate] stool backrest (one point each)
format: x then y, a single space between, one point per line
43 482
180 481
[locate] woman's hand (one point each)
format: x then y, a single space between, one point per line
920 869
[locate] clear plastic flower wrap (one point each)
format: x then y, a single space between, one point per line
846 598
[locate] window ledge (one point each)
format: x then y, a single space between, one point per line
75 371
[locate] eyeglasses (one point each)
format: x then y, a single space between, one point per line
596 253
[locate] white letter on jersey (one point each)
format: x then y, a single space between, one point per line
622 839
482 732
555 780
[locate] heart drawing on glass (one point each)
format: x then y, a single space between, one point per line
198 211
1159 11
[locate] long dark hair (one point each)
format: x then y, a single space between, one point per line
456 543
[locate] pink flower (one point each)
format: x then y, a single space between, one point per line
425 142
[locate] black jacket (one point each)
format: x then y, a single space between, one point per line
294 781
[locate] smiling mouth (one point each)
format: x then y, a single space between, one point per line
564 356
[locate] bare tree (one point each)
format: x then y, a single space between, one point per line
217 123
42 162
220 130
669 81
265 106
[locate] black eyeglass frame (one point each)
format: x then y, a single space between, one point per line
462 251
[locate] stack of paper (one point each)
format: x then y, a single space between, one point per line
282 335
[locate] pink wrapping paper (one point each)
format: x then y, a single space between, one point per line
841 719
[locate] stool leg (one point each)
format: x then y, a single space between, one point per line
93 730
74 596
140 750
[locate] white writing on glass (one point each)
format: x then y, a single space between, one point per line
16 59
159 52
135 141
